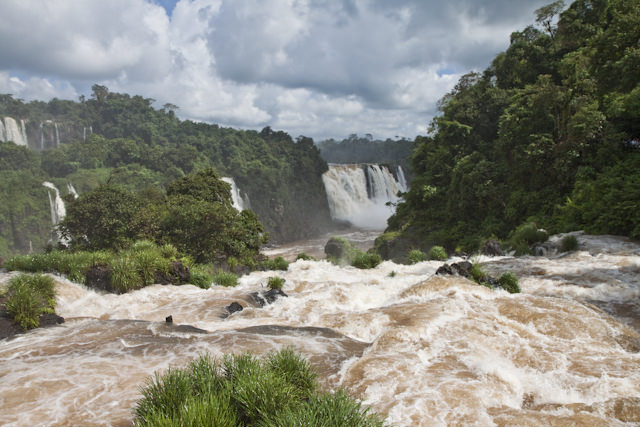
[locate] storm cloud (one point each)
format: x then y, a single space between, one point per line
321 68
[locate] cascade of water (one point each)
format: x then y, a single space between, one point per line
84 133
237 199
13 131
57 134
58 210
401 179
23 132
72 190
41 136
359 194
3 136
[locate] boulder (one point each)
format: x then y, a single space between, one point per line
462 268
492 248
234 307
263 298
99 277
177 274
336 247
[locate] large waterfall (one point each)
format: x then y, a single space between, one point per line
239 202
12 131
360 194
58 210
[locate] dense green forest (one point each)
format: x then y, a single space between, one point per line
122 140
355 149
548 134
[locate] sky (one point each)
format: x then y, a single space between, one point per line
319 68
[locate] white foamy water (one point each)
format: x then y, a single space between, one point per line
421 349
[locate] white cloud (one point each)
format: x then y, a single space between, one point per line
321 68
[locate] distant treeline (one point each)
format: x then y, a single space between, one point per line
355 149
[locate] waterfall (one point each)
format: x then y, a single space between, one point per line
359 193
3 137
58 211
41 136
72 190
14 132
57 134
239 202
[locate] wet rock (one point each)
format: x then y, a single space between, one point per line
461 268
263 298
99 277
336 248
177 274
168 319
9 328
492 248
234 307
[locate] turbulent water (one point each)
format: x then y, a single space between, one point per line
418 348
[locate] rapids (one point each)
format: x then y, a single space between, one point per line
421 349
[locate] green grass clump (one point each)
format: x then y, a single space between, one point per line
415 256
305 257
477 274
30 296
225 278
438 253
278 263
568 244
365 260
279 389
200 277
509 282
275 282
124 275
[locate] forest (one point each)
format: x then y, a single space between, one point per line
122 140
547 136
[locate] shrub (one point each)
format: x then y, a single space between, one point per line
30 295
225 278
278 263
568 244
415 256
509 283
279 389
438 253
305 257
124 275
524 236
365 260
275 282
198 276
477 274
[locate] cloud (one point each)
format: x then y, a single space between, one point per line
322 68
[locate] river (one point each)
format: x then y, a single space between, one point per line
422 350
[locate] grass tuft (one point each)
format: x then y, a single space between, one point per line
438 253
568 244
225 278
30 296
509 282
275 282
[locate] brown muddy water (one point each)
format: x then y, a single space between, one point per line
422 350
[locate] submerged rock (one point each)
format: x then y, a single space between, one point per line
234 307
462 268
492 248
263 298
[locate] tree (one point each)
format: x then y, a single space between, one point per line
545 15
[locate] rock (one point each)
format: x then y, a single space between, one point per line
168 319
336 247
444 270
262 299
178 274
99 277
492 248
462 268
234 307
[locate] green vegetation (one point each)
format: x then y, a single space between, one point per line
365 149
142 149
568 244
366 260
29 297
305 257
275 282
142 264
547 134
526 235
438 253
277 390
225 278
509 282
278 263
477 274
416 256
